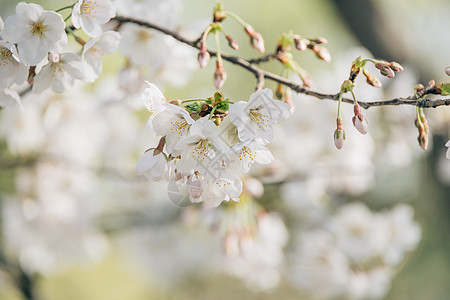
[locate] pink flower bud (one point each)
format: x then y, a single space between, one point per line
447 71
203 58
258 42
339 134
300 44
53 57
232 43
395 66
339 137
324 54
386 71
359 121
194 186
219 76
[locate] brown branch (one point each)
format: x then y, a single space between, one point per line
249 65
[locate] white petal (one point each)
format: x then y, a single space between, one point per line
146 162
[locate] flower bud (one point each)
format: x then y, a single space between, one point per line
339 134
386 71
322 53
194 187
232 43
203 56
447 71
219 76
422 125
256 39
320 40
359 121
53 57
258 42
395 66
372 80
300 44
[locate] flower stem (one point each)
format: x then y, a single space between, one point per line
339 103
219 56
354 98
65 7
237 18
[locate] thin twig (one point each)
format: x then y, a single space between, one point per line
412 100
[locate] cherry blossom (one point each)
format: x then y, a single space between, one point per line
11 71
59 75
9 97
173 123
153 99
94 49
152 164
90 14
201 150
35 31
254 119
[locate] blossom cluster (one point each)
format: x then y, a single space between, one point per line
206 144
32 48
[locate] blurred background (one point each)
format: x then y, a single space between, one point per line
369 221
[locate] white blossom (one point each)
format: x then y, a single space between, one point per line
11 70
9 97
60 75
152 166
90 14
35 31
201 150
359 232
254 119
94 49
402 232
174 123
153 99
221 189
246 153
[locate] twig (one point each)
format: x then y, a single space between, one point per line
249 65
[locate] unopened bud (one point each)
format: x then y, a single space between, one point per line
359 121
300 44
447 71
53 57
219 76
320 40
388 72
279 93
258 42
194 187
249 30
372 80
322 53
203 56
395 66
339 134
232 43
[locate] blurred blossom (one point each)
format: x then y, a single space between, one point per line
317 267
259 259
358 232
403 234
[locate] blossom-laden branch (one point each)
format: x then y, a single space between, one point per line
258 72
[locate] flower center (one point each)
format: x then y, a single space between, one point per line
5 56
88 8
261 119
144 35
201 150
38 28
96 53
246 153
178 126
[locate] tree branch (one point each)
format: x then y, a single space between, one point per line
249 65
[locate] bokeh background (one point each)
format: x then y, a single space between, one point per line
95 230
